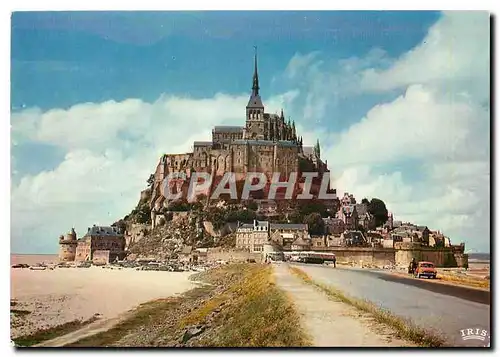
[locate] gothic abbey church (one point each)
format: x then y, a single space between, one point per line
267 143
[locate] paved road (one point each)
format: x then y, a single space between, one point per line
332 323
443 309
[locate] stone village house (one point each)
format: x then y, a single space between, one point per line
100 245
353 215
252 237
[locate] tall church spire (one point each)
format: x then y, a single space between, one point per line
255 102
255 85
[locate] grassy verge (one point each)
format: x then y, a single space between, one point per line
241 307
405 329
143 316
256 314
465 280
51 332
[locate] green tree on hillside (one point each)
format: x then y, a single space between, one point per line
377 208
312 206
244 215
252 205
315 224
295 217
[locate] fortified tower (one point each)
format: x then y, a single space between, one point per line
67 247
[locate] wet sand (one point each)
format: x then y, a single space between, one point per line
54 297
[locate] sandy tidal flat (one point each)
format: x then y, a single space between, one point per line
61 295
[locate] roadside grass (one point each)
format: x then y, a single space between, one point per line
51 332
405 329
465 280
229 275
256 314
250 312
473 282
143 315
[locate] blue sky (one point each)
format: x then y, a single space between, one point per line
103 94
62 58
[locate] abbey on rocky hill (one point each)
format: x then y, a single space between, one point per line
266 143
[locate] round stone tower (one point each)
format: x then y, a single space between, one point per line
67 247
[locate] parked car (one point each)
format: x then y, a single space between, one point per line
426 269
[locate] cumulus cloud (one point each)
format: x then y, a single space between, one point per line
456 48
417 125
440 122
432 112
300 62
111 148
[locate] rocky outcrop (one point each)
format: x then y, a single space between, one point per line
226 229
135 233
167 241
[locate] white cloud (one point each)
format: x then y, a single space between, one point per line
111 150
441 123
456 48
299 63
99 126
417 125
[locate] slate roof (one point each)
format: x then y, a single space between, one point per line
375 235
282 143
255 102
286 143
300 241
104 231
246 225
353 234
271 116
291 226
202 143
228 129
308 150
261 223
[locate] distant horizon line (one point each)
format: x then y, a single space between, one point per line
57 253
